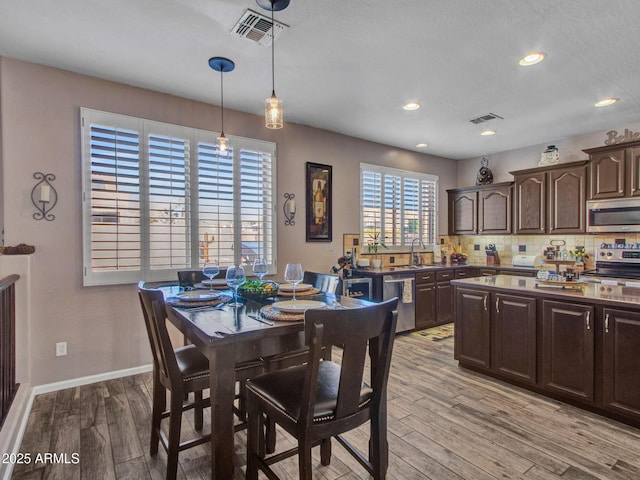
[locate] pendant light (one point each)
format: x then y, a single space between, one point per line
273 114
221 64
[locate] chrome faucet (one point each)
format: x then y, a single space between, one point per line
414 256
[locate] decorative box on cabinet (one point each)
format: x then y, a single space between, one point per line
551 199
614 171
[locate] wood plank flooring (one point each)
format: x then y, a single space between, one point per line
444 423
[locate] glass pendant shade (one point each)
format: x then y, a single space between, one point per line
273 114
221 143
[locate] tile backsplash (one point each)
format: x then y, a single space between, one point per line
509 245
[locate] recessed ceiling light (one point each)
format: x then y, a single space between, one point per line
605 102
488 132
531 59
422 145
411 106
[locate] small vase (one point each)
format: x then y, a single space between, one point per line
376 263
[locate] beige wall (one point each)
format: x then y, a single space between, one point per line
504 162
40 132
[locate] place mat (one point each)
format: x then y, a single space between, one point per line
303 293
274 314
176 302
437 333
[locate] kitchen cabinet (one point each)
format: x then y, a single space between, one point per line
434 298
568 349
551 199
425 300
614 171
621 362
497 332
484 210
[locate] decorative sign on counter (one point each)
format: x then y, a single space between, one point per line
629 136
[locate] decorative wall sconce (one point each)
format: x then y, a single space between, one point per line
289 209
44 196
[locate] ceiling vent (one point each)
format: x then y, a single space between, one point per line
485 118
257 27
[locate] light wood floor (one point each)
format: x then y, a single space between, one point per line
444 423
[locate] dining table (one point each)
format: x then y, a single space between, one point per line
229 335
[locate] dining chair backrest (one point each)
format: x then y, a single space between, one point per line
354 330
188 278
164 357
322 281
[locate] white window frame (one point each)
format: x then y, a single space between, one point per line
144 128
428 234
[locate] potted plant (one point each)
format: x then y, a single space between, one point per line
375 242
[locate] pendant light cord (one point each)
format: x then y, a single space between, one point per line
222 99
273 56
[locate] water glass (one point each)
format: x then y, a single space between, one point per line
235 278
293 274
211 270
260 268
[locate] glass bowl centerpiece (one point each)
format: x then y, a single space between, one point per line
258 289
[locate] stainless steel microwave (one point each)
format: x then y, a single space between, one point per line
616 215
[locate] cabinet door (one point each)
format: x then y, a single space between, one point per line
567 200
472 327
463 208
621 362
513 338
425 303
633 170
494 211
444 303
530 203
568 349
608 174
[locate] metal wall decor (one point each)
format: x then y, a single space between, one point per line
629 136
44 196
485 175
289 209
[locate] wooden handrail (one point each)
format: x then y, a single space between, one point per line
8 385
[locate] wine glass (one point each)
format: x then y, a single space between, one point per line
210 270
235 278
293 274
260 267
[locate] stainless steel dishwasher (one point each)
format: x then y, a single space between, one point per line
401 285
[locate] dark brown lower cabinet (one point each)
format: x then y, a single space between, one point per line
568 349
621 361
425 305
513 339
472 327
434 298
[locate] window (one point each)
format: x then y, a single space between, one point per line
158 198
402 205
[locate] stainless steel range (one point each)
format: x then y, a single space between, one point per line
618 263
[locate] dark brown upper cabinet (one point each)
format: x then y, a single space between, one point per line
485 209
614 171
551 199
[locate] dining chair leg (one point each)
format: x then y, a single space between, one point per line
325 451
378 449
270 432
175 423
159 404
304 461
197 411
254 424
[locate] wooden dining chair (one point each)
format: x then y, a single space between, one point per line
188 278
322 281
323 399
179 371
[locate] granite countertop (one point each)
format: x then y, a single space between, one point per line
591 292
439 266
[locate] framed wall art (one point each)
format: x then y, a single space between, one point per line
318 208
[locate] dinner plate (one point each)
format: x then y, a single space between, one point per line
198 296
301 287
297 306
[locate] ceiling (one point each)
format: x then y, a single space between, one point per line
349 66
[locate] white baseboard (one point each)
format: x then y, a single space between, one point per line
18 415
101 377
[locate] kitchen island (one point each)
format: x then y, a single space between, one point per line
579 346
